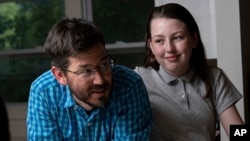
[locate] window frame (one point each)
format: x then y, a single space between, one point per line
82 8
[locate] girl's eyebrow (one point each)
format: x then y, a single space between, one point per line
161 35
158 35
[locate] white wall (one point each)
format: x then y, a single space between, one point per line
229 45
220 30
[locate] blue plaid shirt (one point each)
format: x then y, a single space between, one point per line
53 115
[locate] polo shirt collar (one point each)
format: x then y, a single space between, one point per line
170 79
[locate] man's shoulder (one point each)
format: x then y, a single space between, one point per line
49 88
125 72
44 80
124 76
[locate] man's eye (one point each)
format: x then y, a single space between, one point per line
85 72
104 65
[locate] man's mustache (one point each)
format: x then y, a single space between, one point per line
99 88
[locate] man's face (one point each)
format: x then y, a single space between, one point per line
91 85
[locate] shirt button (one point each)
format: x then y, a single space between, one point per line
182 96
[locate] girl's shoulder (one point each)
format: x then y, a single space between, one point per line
144 70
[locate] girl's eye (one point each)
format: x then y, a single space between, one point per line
159 41
178 38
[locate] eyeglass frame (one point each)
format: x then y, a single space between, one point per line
109 62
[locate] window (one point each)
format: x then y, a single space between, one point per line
25 23
23 28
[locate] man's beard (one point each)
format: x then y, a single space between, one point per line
102 101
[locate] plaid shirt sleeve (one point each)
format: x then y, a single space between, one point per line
135 119
39 118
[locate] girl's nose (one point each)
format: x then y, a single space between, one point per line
170 48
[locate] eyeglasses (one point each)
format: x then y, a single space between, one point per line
88 72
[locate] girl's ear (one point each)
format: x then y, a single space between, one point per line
195 39
59 75
150 45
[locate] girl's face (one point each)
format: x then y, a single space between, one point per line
172 44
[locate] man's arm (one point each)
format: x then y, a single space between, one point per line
135 121
40 123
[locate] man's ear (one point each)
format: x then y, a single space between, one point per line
59 75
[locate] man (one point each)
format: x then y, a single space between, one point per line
84 96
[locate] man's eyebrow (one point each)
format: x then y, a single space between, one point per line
105 58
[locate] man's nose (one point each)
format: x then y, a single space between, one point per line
98 78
